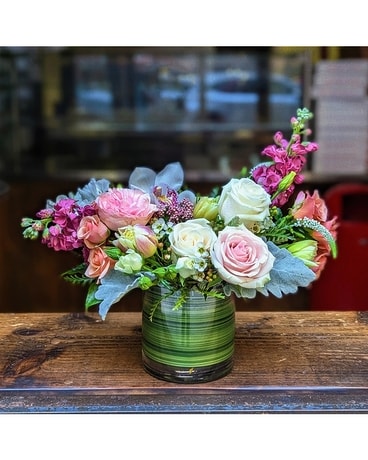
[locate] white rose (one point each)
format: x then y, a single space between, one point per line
246 200
192 238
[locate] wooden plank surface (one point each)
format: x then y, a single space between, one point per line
284 361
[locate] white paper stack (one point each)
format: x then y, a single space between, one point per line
341 117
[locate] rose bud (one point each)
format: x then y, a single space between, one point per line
206 207
305 250
138 238
129 263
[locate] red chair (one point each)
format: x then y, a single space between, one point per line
343 284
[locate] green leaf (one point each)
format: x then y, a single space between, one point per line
114 253
77 275
90 298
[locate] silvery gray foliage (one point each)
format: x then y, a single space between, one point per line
91 191
288 273
113 287
85 195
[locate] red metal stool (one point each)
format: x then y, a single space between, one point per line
343 284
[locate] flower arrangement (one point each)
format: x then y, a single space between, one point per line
241 239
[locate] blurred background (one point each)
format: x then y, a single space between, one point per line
71 113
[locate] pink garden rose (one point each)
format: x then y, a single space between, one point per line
242 258
92 231
120 207
99 263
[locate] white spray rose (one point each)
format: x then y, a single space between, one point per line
191 242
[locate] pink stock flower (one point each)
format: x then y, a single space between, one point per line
268 177
99 263
92 231
287 156
66 213
120 207
66 217
62 239
45 213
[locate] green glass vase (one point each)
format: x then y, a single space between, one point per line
192 344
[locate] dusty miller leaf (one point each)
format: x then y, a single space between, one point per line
113 287
90 192
288 273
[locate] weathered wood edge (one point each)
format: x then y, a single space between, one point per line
310 400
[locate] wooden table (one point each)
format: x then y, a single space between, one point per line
284 362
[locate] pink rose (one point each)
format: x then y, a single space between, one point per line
92 231
120 207
99 263
242 258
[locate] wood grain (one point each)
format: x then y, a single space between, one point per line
283 361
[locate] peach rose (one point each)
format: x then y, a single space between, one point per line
92 231
323 248
311 206
314 207
242 258
99 263
120 207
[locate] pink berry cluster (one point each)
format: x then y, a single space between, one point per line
170 206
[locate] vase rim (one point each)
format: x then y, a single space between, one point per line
192 291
